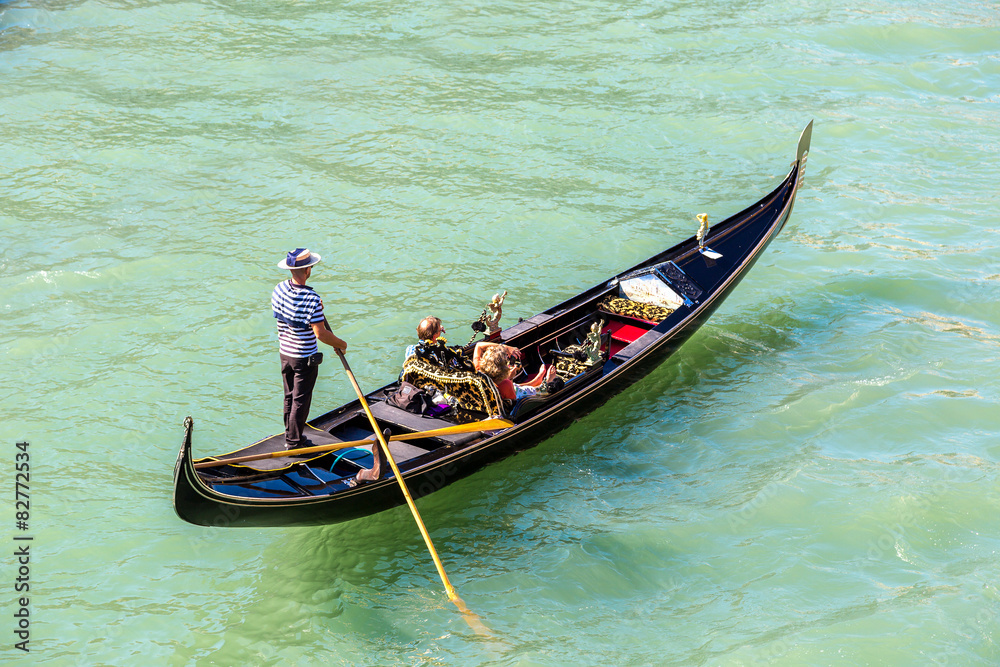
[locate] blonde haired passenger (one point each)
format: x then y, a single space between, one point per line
492 360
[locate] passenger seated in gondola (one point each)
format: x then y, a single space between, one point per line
428 331
482 346
434 347
493 361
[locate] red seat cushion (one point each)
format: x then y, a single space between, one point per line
621 335
627 333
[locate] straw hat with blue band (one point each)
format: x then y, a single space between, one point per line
299 258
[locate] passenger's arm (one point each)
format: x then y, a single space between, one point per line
477 354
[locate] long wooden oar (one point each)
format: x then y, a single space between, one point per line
484 425
452 595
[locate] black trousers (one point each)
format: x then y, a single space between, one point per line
298 378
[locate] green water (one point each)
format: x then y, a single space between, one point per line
811 479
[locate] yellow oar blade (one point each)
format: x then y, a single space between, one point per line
484 425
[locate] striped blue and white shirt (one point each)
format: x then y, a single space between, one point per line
296 307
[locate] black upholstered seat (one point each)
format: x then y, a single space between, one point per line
393 416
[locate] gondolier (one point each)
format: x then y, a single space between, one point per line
301 322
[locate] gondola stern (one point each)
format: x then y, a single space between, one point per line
184 455
184 472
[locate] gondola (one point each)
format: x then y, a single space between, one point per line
602 340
